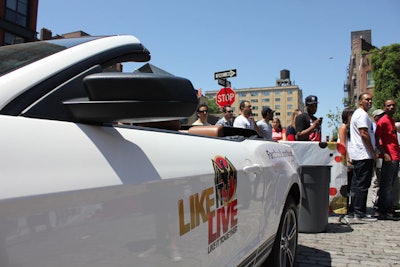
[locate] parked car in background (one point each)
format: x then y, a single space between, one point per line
95 170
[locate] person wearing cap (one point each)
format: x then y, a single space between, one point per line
388 146
227 119
264 125
376 115
308 127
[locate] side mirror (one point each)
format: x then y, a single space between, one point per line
134 97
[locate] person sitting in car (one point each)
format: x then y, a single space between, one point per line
202 114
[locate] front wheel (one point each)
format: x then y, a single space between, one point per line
285 246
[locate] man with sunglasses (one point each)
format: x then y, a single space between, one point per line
202 114
227 119
245 119
388 146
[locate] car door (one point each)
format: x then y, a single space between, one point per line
79 195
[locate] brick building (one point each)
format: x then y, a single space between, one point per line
18 19
359 73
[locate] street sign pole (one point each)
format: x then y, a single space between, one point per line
226 96
224 82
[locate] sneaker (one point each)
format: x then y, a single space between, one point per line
397 209
389 217
367 218
174 255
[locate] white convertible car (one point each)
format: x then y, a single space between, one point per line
95 170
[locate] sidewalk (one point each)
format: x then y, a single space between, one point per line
360 244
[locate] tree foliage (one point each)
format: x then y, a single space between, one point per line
334 122
386 74
213 107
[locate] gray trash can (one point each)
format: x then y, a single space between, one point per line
315 202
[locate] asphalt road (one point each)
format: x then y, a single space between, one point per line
358 244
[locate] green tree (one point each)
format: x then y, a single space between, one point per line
386 74
213 106
334 122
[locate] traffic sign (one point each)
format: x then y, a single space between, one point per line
225 96
224 82
225 74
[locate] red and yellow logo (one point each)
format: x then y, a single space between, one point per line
216 205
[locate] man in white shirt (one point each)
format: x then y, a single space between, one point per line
245 119
361 149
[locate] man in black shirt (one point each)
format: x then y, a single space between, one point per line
308 127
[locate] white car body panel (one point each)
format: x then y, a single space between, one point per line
76 194
121 164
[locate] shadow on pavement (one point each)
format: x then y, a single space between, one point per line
307 256
342 226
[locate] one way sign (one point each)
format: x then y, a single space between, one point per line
225 74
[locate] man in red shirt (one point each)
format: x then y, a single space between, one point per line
387 143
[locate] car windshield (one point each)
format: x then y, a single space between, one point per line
16 56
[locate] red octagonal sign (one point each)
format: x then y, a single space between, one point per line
225 96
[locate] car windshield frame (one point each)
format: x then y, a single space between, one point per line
16 56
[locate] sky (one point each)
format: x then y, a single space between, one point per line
258 38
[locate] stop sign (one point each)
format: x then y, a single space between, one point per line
225 96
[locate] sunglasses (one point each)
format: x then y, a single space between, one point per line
203 111
229 111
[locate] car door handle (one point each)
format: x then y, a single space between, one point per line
256 168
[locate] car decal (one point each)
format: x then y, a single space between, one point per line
216 205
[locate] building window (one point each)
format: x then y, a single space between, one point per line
278 99
289 106
289 92
354 78
265 100
255 108
17 12
254 93
265 93
254 100
10 39
290 98
242 94
277 106
277 92
370 80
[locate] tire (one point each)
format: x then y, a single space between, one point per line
285 246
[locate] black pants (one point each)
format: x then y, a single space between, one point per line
362 176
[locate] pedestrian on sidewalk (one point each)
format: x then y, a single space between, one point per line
388 146
308 127
344 137
376 115
362 153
